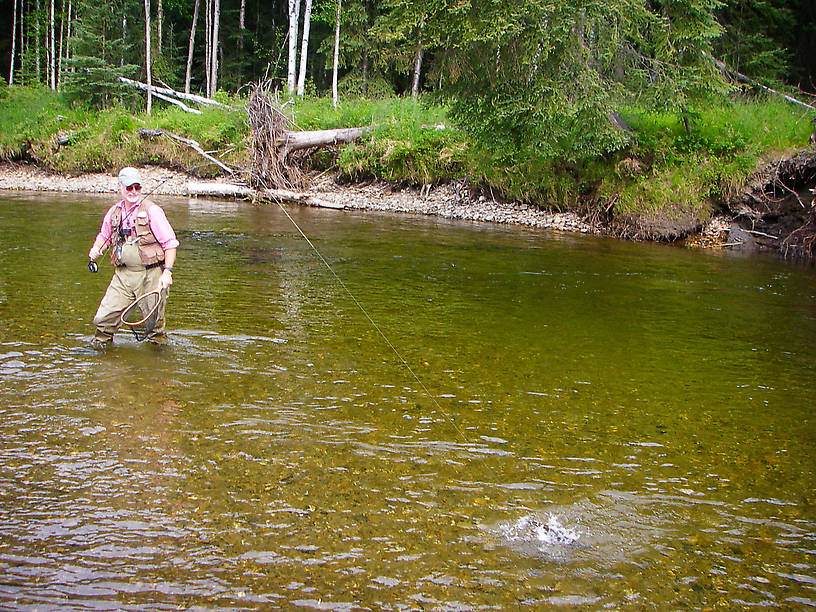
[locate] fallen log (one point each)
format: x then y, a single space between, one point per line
296 141
221 190
229 190
178 103
172 92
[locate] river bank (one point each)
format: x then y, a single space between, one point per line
450 201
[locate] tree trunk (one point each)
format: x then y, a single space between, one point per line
52 58
417 64
336 54
214 52
61 44
13 43
307 17
159 22
365 71
294 15
190 48
37 41
68 31
23 36
207 44
241 25
296 141
147 57
173 92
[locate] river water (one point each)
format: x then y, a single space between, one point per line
439 416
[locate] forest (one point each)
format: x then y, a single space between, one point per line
539 99
400 46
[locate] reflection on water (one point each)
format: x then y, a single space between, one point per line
613 425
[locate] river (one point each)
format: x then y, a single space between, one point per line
429 415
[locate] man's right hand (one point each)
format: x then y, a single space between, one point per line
94 253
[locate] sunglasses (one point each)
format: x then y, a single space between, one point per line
134 187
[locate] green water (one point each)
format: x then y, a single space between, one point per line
654 405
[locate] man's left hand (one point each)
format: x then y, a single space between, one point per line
166 279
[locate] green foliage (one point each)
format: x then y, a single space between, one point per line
728 142
318 113
406 154
545 78
356 84
757 38
662 164
29 120
32 119
102 51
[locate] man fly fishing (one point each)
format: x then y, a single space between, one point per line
143 253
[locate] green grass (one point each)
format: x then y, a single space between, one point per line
727 144
663 166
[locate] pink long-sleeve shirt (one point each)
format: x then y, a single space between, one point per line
159 224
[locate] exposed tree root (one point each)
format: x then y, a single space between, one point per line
778 207
272 166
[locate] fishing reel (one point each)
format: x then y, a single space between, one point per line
93 266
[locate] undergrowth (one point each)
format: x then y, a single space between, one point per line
411 142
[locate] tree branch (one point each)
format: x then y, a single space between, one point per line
190 143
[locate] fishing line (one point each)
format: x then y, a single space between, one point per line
374 324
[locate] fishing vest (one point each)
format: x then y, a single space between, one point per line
150 251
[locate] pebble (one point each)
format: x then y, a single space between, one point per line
451 201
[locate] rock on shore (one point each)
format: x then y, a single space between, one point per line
449 201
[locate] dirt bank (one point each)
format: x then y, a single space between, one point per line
777 210
451 201
761 218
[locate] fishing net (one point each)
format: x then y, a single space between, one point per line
142 314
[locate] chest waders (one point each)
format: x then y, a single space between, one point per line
137 268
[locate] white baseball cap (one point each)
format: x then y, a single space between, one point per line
129 176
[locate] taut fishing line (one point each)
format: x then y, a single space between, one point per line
373 323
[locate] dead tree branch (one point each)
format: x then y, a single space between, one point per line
190 143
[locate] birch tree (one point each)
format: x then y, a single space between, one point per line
417 63
241 24
216 20
190 47
22 42
336 60
208 18
37 41
13 43
61 44
159 24
294 16
52 59
147 57
307 18
68 31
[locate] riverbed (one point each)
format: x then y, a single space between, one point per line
403 412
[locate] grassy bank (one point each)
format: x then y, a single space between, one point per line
665 169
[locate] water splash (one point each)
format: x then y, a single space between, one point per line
548 533
540 536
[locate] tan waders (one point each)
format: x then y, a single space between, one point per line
129 282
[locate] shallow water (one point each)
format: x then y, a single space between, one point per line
609 425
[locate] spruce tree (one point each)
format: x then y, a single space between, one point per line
106 41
